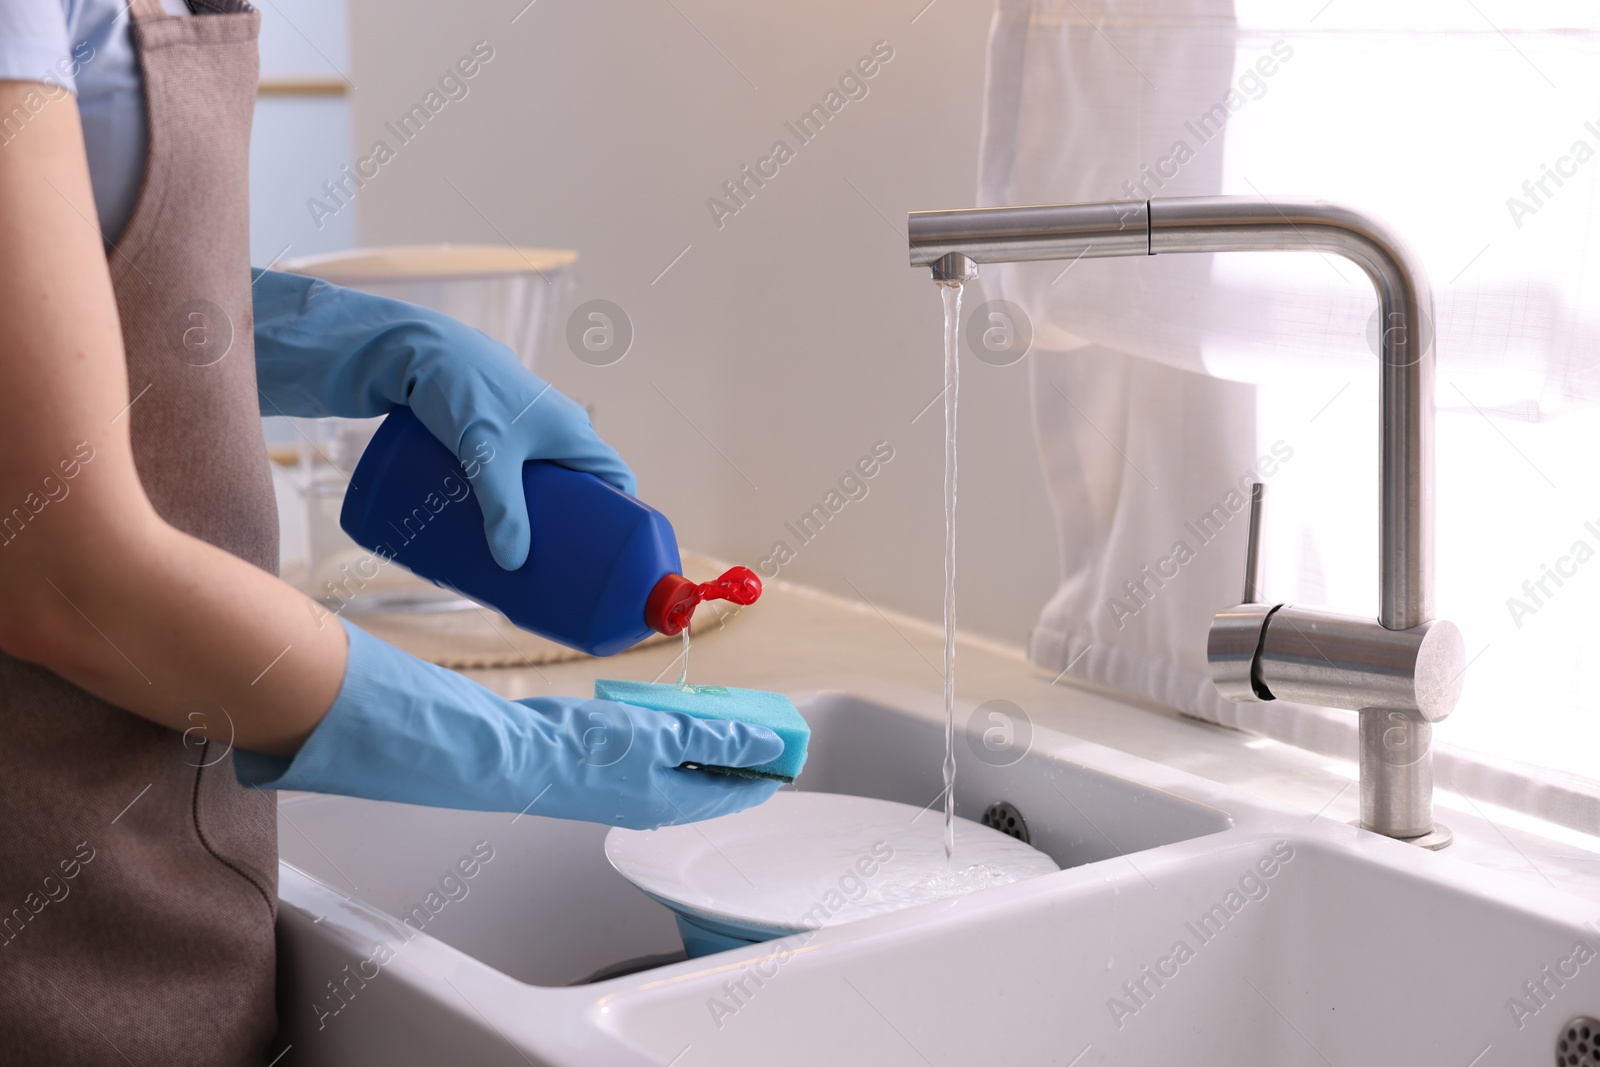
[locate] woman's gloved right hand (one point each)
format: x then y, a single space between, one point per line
406 730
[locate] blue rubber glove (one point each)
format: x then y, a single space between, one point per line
405 730
325 350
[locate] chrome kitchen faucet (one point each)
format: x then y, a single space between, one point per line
1401 671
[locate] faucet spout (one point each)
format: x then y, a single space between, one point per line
1251 224
953 269
1401 671
1022 234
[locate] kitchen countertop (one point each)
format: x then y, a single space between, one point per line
798 638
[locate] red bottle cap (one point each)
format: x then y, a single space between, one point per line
673 600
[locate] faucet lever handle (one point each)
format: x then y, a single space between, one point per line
1252 552
1234 642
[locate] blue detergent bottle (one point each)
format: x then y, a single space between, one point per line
603 571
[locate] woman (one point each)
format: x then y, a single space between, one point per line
140 617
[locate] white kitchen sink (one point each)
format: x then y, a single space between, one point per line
1190 924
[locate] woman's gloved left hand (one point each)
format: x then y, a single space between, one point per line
325 350
405 730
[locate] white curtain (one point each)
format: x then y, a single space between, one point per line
1162 385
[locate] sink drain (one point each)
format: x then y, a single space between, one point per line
1579 1043
1007 819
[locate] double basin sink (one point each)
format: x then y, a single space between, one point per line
1189 924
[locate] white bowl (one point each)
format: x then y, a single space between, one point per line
806 860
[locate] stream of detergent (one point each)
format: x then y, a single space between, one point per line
683 675
951 294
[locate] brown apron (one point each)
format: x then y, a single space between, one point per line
138 881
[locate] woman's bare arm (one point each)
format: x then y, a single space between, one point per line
96 587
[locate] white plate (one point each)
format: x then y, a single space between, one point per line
803 860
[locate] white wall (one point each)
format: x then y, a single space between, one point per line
793 338
299 142
296 143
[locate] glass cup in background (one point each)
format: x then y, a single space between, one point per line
512 294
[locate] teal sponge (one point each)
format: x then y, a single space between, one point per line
772 710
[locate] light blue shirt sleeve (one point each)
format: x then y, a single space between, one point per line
34 46
84 47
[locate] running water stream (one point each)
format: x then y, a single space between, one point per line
950 292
